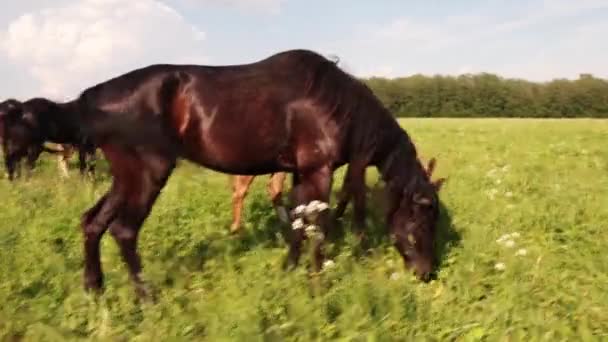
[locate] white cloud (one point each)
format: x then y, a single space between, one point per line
68 48
569 6
264 6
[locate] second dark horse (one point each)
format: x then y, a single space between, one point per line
295 111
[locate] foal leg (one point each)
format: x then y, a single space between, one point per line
275 190
62 160
240 186
148 175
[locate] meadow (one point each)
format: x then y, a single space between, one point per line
522 243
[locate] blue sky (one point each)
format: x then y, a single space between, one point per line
56 48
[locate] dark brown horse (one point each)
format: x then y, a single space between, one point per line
30 124
295 111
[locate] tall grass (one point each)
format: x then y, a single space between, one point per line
546 181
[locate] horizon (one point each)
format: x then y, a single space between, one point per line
57 50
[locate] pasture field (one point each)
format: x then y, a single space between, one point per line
523 240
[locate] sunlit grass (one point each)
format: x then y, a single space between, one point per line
523 252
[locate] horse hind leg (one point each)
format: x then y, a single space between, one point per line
240 187
94 223
148 174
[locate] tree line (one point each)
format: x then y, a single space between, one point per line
488 95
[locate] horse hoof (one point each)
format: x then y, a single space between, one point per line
145 294
288 265
93 285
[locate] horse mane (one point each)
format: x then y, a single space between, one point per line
371 129
369 126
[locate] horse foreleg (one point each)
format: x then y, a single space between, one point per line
344 196
240 186
82 161
91 161
309 186
86 161
275 190
32 157
357 188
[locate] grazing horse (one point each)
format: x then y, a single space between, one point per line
30 124
294 111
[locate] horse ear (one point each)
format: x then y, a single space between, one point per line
431 167
422 200
438 183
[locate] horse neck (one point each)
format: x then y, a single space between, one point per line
400 167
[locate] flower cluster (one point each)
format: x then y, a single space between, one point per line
305 217
495 174
508 241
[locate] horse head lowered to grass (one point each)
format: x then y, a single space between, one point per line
295 112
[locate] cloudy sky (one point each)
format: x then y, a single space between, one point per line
57 48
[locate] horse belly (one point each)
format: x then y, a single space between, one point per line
230 149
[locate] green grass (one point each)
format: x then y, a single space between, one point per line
544 179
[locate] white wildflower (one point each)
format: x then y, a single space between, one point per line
314 232
322 206
500 266
509 243
521 252
395 276
313 205
311 228
299 210
297 224
503 238
329 264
